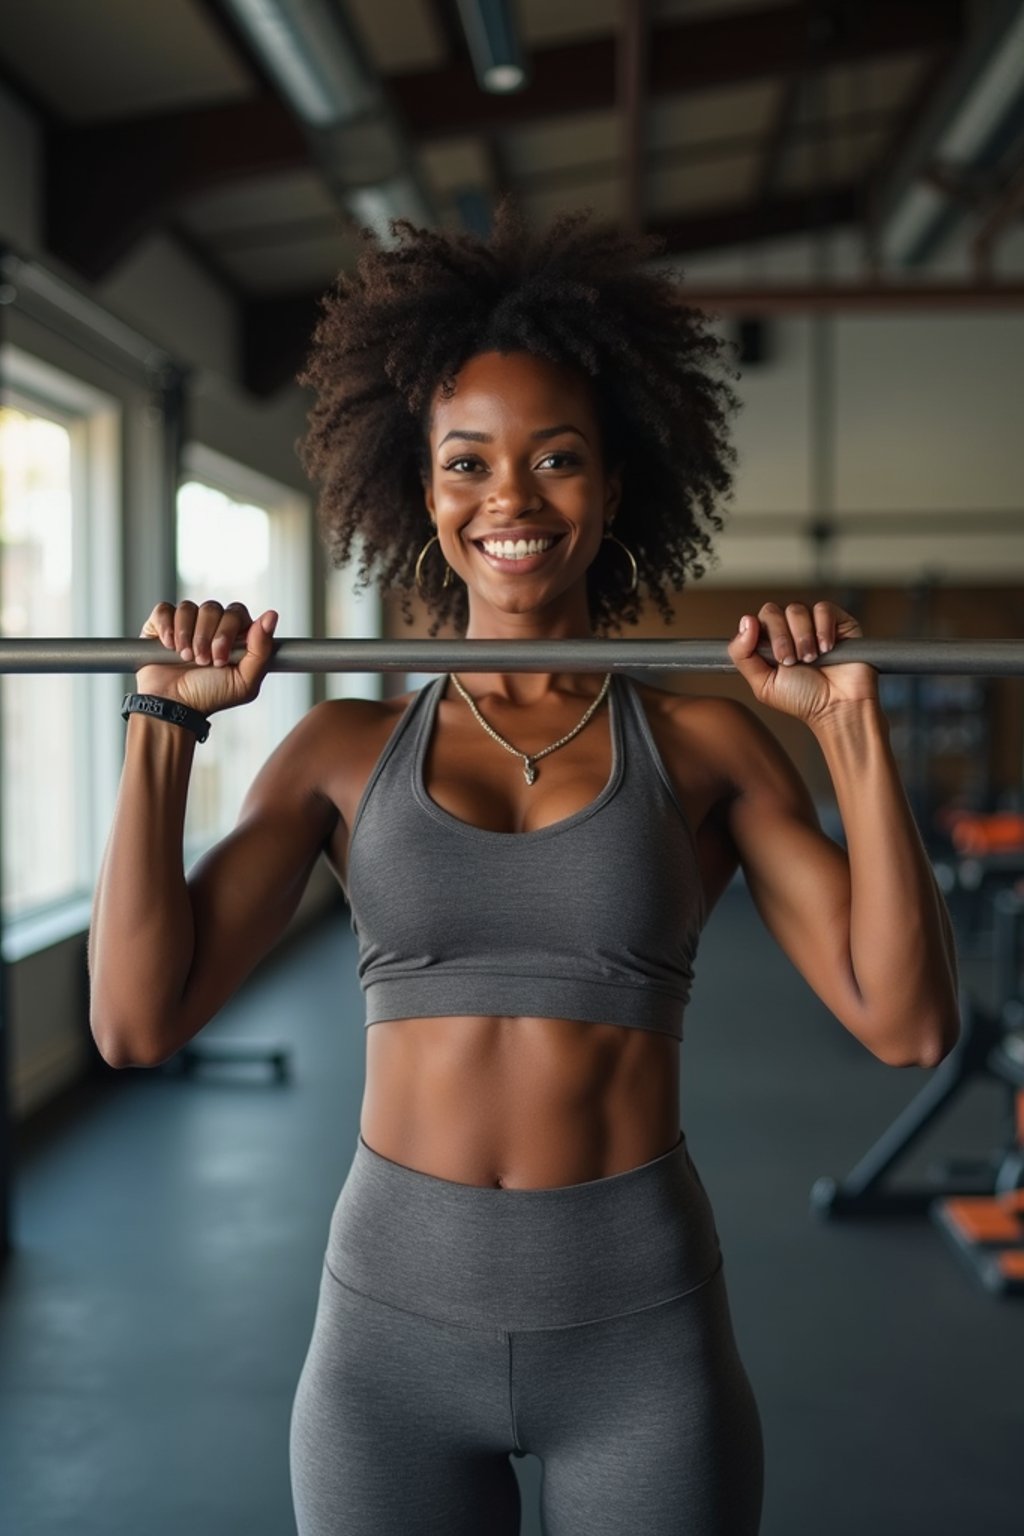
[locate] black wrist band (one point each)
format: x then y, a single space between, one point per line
165 709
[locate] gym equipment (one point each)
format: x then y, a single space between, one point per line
989 658
988 1233
977 1204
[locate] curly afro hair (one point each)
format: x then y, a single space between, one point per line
400 327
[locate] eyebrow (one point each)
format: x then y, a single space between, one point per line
485 437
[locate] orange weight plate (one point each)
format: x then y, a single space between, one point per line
984 1221
1011 1263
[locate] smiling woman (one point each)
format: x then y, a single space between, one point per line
642 365
523 1257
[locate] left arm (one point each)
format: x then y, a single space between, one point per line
902 952
874 909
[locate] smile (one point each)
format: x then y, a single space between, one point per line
524 555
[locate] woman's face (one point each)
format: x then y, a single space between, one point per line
516 455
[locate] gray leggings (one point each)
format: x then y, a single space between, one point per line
587 1325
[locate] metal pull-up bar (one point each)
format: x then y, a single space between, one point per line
985 658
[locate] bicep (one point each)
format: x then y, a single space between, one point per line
245 889
798 878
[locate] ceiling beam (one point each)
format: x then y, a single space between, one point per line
736 225
779 137
855 298
109 184
684 56
632 69
276 330
449 24
276 334
919 103
996 215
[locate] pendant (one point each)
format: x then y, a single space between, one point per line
529 772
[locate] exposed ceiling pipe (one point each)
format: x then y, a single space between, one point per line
312 55
979 111
322 70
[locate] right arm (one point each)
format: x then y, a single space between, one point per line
165 952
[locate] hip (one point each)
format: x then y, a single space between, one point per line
523 1258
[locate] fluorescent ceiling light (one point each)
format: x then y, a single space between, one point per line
493 39
307 48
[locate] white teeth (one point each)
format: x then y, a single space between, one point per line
518 549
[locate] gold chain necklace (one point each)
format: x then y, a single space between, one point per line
529 771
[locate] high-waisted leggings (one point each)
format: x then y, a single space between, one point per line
588 1325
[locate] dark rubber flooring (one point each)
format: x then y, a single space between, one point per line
169 1233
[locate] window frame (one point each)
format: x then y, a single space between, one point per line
289 695
95 421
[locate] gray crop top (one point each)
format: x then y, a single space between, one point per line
596 917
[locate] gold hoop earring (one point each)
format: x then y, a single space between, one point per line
448 570
609 535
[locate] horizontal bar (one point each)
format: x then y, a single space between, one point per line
986 658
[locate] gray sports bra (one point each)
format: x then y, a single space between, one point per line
595 917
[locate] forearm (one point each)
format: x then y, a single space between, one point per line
141 938
902 952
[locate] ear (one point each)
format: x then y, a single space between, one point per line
428 497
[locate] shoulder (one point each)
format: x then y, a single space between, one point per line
720 726
726 736
339 740
353 714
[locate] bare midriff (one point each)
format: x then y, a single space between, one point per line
519 1102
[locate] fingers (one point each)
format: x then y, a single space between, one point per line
259 648
825 625
790 632
160 625
204 633
743 653
217 631
795 633
798 633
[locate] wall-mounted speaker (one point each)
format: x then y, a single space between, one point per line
753 339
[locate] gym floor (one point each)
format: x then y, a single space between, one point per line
154 1319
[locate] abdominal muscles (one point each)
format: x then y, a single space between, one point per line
519 1102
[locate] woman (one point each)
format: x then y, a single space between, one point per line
523 1257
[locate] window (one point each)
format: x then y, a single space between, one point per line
59 568
352 615
242 538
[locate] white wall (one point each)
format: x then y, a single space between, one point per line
926 413
925 420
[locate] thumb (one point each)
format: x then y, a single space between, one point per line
743 653
259 650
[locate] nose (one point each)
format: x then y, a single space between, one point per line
513 495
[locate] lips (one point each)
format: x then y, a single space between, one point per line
527 563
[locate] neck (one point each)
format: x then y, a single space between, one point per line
530 689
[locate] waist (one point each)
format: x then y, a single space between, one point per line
527 1258
428 992
519 1101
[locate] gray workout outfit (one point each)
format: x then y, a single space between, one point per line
587 1324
